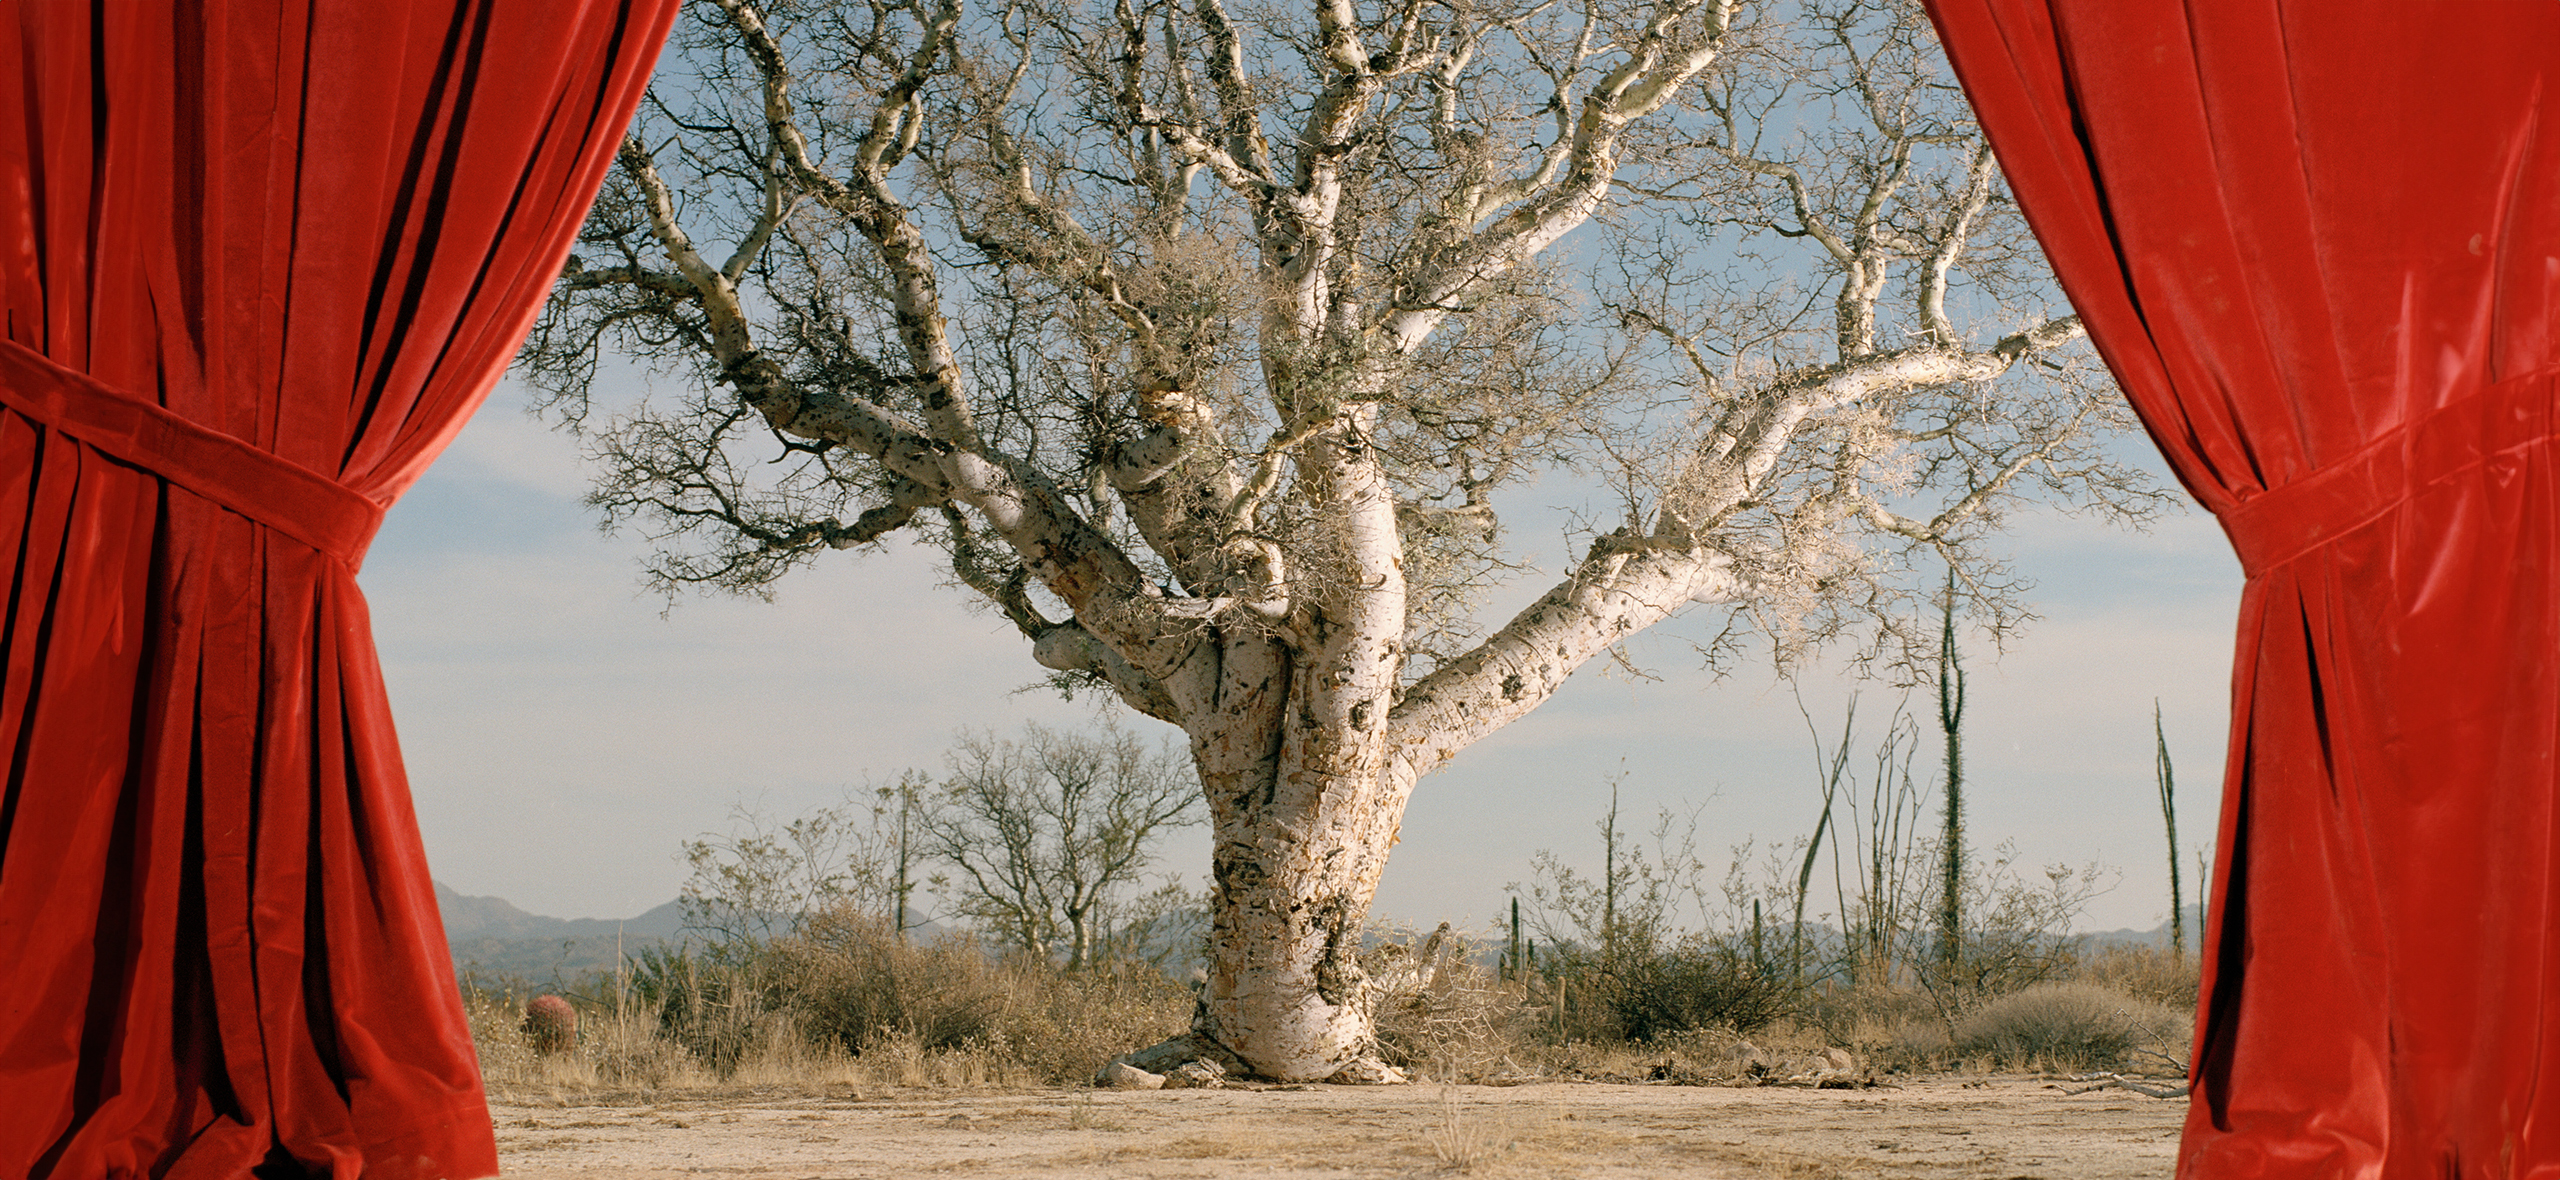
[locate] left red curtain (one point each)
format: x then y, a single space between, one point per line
258 262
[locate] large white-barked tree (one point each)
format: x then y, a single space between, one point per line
1206 336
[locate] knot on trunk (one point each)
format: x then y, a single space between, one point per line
1338 973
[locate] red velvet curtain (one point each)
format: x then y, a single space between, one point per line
258 261
2320 246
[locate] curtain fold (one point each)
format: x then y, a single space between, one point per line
2319 244
258 262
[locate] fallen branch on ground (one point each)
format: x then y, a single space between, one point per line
2112 1081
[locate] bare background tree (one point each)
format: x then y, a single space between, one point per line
1208 340
761 879
1045 835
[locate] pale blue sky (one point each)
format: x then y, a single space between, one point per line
563 737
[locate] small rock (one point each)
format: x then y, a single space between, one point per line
1839 1071
1367 1071
1120 1075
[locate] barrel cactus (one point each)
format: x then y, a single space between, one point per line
550 1025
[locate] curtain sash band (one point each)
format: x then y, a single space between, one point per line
2284 523
276 492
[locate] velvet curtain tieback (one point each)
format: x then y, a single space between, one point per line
2489 427
276 492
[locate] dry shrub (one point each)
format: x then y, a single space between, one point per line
617 1051
2066 1026
1646 993
1440 1014
1699 983
2151 973
1062 1025
851 981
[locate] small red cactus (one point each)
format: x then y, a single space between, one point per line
550 1024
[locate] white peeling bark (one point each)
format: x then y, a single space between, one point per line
1296 867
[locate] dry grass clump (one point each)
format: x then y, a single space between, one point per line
1782 1053
846 1000
1444 1016
1898 1023
2069 1026
1073 1021
1463 1142
854 984
613 1050
950 1008
2151 973
1883 1030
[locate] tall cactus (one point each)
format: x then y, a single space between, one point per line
2169 818
1951 722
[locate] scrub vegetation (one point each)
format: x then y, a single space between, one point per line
850 1004
1815 963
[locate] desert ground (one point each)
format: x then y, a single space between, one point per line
2005 1127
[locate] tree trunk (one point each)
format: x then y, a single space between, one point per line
1286 992
1303 810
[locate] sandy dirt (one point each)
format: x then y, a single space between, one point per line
1997 1128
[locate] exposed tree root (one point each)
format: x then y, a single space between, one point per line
1193 1059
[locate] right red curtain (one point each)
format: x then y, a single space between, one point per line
2319 244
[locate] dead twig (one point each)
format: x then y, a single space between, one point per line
2111 1081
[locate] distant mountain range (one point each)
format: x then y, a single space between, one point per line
495 917
2156 936
491 937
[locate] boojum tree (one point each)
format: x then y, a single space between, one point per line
1206 341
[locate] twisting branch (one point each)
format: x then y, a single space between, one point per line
1633 578
1663 59
1241 325
866 200
944 460
1937 528
1979 176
